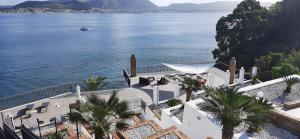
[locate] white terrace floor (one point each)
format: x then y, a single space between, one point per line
214 77
60 105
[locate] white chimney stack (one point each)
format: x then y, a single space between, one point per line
78 91
242 75
176 91
155 95
227 78
254 71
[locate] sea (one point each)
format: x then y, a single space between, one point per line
48 49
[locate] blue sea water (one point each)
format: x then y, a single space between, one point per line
40 50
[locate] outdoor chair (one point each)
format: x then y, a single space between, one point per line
162 81
144 81
151 78
28 110
44 107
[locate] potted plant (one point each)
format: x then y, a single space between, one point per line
290 81
173 102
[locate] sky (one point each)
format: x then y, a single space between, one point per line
157 2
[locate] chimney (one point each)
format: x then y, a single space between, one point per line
155 95
254 71
232 66
78 91
133 65
227 78
242 75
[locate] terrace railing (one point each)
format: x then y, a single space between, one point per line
153 69
32 96
163 68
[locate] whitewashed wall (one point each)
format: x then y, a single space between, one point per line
197 124
168 119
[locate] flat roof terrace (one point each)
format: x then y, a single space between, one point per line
214 77
59 106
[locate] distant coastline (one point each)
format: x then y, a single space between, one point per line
95 10
40 7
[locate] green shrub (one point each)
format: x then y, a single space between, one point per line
173 102
290 81
284 70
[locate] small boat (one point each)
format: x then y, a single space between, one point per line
84 29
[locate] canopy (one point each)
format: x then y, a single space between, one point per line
196 69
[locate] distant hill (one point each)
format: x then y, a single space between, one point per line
130 5
53 5
86 4
213 6
122 4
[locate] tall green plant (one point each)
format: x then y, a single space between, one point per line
189 85
101 114
94 83
233 108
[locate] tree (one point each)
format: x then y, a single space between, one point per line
102 115
285 69
294 59
233 108
94 83
189 85
239 33
265 63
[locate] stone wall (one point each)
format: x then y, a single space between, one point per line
285 121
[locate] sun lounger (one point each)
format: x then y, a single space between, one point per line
44 107
28 111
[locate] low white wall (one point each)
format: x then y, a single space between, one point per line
197 124
168 119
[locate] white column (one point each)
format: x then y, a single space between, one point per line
176 91
254 71
242 75
78 91
155 95
211 80
227 78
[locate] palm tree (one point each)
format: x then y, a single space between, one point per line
189 85
94 83
290 81
102 115
233 108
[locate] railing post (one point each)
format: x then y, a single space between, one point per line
21 120
55 127
77 129
38 122
2 118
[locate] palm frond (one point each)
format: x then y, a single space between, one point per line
233 108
